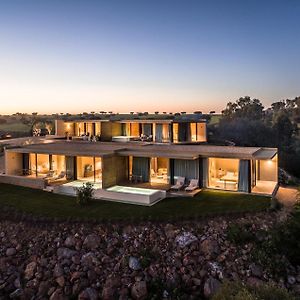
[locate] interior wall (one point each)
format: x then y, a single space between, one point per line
201 132
58 163
82 163
135 129
43 164
268 170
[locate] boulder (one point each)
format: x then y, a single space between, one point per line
134 263
88 294
139 290
11 251
92 241
211 286
30 270
65 253
185 239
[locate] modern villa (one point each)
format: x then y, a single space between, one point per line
139 161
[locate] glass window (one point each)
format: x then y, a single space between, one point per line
223 173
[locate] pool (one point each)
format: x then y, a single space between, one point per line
131 195
131 190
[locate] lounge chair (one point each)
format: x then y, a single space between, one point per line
179 184
194 184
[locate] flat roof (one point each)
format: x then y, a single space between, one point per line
84 148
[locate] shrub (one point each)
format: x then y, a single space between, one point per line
240 234
239 291
85 193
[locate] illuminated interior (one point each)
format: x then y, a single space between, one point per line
159 170
264 175
175 132
89 168
198 132
58 164
223 173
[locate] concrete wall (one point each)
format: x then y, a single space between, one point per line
60 127
13 163
34 183
114 170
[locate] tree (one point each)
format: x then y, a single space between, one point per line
244 107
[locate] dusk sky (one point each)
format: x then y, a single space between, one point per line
121 56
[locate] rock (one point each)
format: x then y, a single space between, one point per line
58 270
185 239
30 269
291 280
256 270
92 241
88 294
60 281
134 263
139 290
253 281
57 295
209 246
16 294
65 252
211 286
70 241
11 251
108 293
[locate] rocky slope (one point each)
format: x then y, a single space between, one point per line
121 261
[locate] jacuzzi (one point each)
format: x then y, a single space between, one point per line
131 195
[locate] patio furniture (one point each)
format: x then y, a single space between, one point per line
179 184
194 184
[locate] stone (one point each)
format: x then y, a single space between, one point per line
57 295
11 251
134 263
16 294
211 287
291 280
92 241
65 252
139 290
30 269
88 294
58 270
185 239
209 246
70 241
256 270
60 281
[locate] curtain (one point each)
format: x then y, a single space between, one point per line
70 167
186 168
147 129
244 176
204 166
26 163
141 167
159 133
184 132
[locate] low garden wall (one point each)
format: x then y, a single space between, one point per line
35 183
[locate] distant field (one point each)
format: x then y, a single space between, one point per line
215 119
16 127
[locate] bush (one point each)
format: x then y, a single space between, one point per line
240 234
85 193
239 291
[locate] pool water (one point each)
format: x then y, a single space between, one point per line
131 190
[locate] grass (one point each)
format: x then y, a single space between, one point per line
14 127
40 203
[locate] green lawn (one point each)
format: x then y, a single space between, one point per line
45 204
16 127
